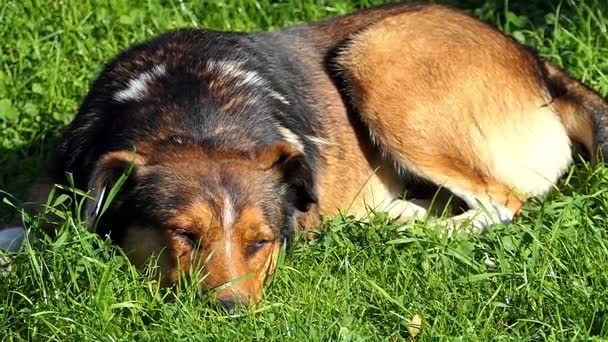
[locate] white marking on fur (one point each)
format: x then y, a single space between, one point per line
531 158
93 206
228 214
99 201
229 68
319 141
228 217
235 70
136 89
276 95
252 78
291 138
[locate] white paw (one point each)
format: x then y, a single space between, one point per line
477 220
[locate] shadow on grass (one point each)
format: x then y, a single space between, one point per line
20 167
496 11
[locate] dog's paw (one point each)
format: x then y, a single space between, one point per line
475 221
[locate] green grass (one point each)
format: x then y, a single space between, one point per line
356 281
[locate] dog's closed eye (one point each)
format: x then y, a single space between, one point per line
187 236
257 245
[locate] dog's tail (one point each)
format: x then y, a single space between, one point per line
583 112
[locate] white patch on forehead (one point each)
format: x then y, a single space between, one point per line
228 217
291 137
236 70
228 214
136 89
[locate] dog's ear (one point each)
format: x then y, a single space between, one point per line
289 159
110 171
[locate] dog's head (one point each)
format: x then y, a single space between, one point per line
196 206
223 164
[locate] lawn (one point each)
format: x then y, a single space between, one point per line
543 277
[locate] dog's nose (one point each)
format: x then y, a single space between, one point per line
230 303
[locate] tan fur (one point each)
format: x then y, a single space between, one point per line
218 265
461 105
354 177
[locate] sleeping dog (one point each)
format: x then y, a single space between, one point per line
234 142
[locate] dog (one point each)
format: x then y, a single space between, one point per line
235 142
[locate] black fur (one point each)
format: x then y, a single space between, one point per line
104 124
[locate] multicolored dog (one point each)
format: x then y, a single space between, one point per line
237 141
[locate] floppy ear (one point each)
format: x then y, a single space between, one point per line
107 174
296 171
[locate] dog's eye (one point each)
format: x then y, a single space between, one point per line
187 236
256 246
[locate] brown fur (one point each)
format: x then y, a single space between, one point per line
440 103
